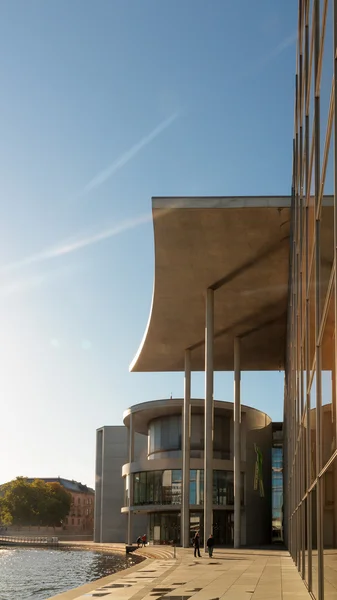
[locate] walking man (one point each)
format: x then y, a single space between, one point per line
210 545
196 544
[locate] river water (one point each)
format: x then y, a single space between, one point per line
29 573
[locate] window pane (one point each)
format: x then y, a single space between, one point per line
136 488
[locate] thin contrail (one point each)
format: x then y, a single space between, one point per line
68 247
281 47
73 246
101 177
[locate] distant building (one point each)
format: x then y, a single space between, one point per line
81 516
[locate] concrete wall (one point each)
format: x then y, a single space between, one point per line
258 430
111 454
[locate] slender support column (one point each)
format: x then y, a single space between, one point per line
185 513
319 485
209 414
131 444
334 415
237 445
307 307
335 206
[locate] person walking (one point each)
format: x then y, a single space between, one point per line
196 544
210 545
139 541
144 540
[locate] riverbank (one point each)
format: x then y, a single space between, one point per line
149 551
229 575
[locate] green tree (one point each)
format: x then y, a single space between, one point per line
36 503
5 516
39 499
59 501
17 501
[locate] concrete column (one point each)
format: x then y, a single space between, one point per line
209 411
131 436
237 445
98 517
185 513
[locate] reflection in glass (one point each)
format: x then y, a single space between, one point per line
330 531
314 542
277 493
164 528
165 437
313 427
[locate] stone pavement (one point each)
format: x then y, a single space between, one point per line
229 575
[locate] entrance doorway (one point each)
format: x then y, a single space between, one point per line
197 524
223 527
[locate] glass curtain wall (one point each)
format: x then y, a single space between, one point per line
310 384
164 487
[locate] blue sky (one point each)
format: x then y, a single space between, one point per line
103 105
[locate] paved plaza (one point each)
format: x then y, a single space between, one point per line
229 575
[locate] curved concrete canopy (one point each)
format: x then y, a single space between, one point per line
240 248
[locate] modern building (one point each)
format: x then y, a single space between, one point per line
148 452
219 304
154 483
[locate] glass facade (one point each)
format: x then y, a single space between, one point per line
165 487
165 437
310 430
157 487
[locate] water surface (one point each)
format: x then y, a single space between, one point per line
39 573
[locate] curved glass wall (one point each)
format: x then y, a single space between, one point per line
165 487
165 437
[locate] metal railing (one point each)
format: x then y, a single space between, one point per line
19 540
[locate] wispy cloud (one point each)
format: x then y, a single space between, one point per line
118 164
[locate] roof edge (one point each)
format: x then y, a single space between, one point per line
204 202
